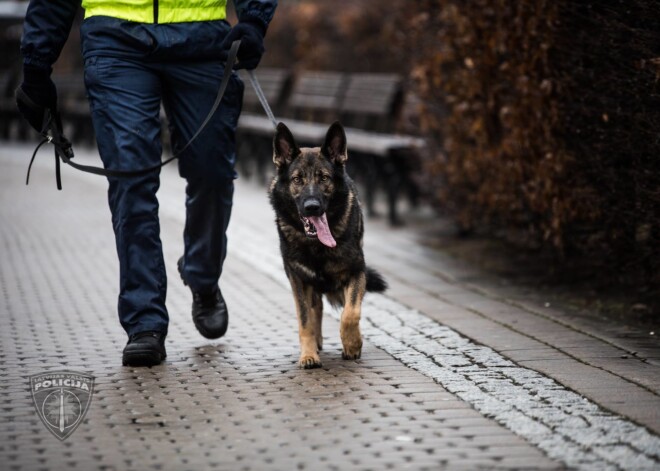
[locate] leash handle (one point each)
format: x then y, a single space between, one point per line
261 97
52 133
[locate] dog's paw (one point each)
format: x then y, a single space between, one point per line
352 353
351 341
309 361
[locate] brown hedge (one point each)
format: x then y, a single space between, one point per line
548 117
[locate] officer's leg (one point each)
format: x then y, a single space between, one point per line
207 165
125 103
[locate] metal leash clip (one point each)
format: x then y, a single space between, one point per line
53 132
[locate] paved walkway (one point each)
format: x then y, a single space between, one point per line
458 372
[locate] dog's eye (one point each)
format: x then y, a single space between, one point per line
297 180
325 178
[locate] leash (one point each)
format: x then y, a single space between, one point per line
261 97
52 133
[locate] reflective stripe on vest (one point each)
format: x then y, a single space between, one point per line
157 11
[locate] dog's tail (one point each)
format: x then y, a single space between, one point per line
375 281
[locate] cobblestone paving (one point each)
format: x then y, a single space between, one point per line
564 424
422 397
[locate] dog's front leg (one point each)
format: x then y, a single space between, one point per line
349 328
309 325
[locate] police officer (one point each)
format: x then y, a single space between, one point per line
139 54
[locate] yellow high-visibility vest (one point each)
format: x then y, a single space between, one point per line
157 11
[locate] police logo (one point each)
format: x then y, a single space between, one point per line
62 399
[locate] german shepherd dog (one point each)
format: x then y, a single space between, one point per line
319 221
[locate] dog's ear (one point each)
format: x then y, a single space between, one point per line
334 146
284 146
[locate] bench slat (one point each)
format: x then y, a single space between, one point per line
371 93
317 90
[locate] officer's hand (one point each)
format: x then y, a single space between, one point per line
35 95
251 35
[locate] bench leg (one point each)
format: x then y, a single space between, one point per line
394 182
371 182
264 161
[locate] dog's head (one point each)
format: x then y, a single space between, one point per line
312 175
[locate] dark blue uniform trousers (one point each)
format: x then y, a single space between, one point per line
125 95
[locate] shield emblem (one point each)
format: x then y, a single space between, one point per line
61 399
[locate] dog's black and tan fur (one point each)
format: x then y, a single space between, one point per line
311 188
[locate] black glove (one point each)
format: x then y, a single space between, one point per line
251 34
35 95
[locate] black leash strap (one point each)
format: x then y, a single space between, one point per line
63 151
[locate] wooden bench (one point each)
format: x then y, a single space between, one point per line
316 96
368 105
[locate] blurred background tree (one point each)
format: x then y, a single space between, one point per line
345 35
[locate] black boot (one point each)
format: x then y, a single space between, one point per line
145 349
209 310
209 313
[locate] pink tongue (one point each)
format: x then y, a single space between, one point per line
322 230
